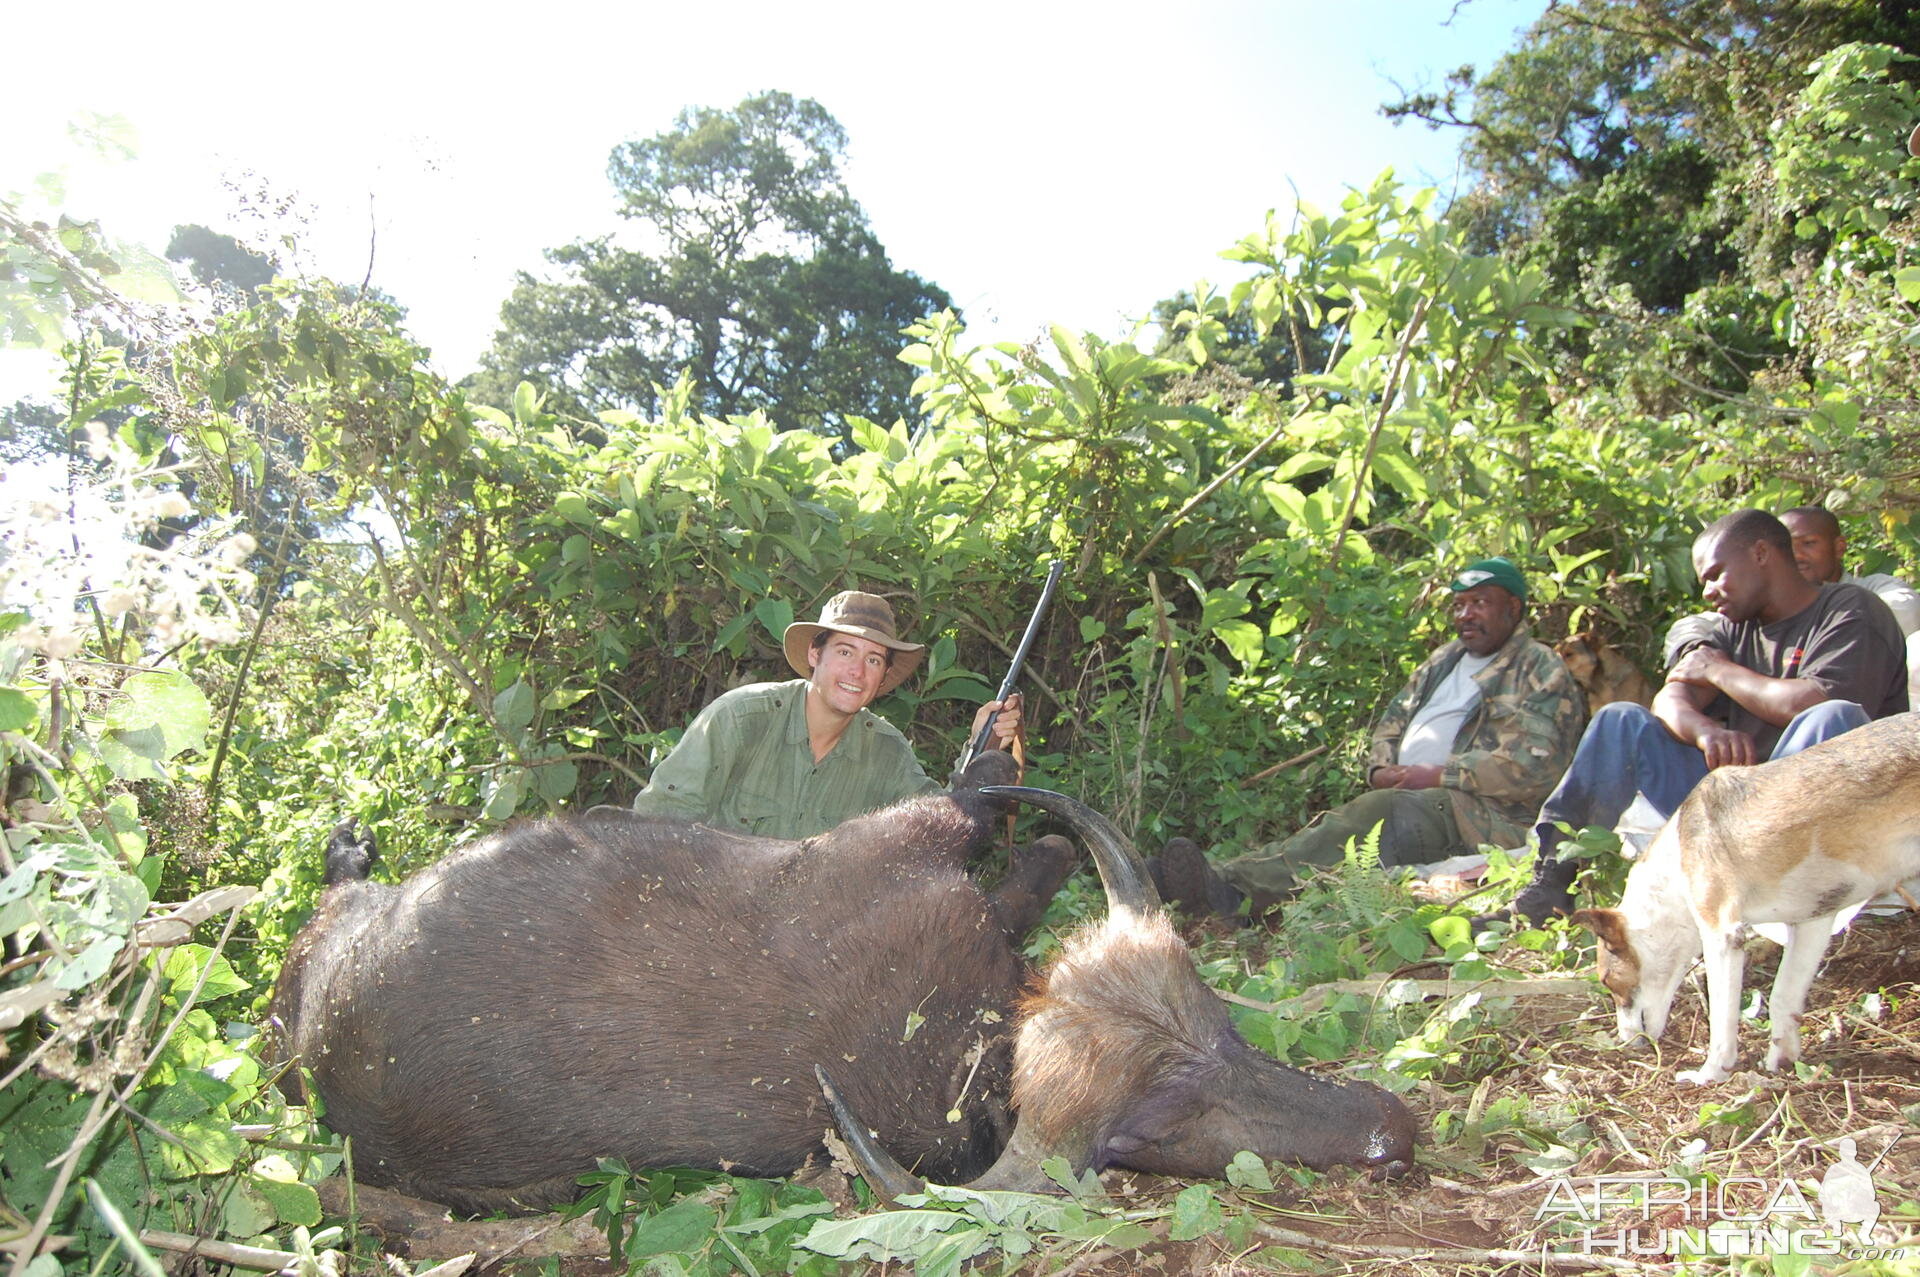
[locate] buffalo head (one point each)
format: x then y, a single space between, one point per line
1125 1058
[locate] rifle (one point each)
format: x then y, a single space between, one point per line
1019 658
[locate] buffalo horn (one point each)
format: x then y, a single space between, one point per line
1122 870
1130 891
886 1177
1016 1170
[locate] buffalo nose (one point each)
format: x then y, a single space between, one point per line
1389 1151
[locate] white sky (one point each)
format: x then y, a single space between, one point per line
1043 162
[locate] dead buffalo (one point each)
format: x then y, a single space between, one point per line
619 986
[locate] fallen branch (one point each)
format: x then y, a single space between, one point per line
1375 985
256 1258
422 1230
177 926
1279 767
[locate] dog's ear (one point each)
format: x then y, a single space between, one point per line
1610 925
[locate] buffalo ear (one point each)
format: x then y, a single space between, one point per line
1610 925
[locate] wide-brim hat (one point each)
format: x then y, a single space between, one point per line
862 615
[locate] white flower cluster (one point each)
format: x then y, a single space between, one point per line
62 556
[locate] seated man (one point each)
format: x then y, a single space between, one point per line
1788 663
1819 549
1461 757
794 759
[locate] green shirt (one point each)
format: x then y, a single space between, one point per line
745 764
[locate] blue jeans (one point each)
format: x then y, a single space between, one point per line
1626 751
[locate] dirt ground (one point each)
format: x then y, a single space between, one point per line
1473 1205
1482 1204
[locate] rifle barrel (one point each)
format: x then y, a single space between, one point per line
1019 659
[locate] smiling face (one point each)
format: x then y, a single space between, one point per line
847 671
1485 617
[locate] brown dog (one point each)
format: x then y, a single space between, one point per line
1602 672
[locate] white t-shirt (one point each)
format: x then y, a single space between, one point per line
1896 594
1429 737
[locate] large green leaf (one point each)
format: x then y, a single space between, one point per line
17 711
21 880
1196 1212
88 965
1398 469
507 794
774 615
157 715
890 1236
556 781
513 709
1249 1171
1244 639
293 1202
187 961
680 1227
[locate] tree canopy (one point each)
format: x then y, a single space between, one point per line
215 257
1627 148
748 267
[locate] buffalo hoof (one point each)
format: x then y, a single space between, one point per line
351 853
995 767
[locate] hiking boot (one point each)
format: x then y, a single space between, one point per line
1550 892
1187 880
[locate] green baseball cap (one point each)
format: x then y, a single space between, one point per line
1494 571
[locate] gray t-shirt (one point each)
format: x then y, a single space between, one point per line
1846 640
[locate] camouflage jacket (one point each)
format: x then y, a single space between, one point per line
1513 747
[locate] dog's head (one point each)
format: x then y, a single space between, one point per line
1581 655
1618 966
1645 947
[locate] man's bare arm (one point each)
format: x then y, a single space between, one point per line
1679 705
1772 700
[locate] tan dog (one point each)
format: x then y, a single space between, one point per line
1792 841
1602 672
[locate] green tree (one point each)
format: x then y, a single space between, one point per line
759 278
1625 148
